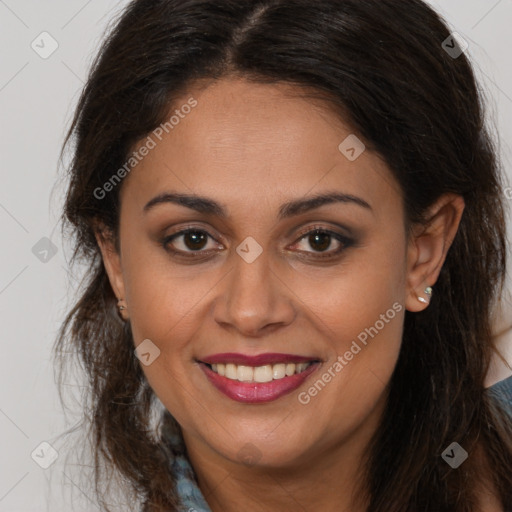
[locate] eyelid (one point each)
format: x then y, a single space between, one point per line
316 227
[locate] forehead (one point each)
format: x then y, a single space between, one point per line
243 142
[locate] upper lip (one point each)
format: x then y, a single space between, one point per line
258 360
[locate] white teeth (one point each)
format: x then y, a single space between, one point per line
278 371
259 374
231 371
244 373
263 373
290 369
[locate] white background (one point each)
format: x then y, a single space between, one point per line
37 97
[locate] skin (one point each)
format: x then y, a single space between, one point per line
253 147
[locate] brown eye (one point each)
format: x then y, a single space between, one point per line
320 240
188 241
194 240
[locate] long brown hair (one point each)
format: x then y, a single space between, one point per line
385 67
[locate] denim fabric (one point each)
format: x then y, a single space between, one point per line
192 498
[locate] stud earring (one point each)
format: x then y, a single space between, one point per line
121 307
428 293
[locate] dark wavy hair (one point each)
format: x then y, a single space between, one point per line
382 66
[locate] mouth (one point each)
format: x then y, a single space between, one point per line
257 379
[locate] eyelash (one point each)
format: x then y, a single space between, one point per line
343 240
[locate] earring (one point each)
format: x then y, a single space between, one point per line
428 293
120 306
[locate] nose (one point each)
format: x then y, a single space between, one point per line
254 300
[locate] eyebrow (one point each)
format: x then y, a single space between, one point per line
208 206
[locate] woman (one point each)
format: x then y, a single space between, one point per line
292 216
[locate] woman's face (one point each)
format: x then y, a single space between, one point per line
251 286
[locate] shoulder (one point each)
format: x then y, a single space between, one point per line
502 390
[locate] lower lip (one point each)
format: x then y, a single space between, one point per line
256 392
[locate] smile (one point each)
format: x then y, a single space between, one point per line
257 379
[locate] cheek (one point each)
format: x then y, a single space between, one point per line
366 291
163 295
365 332
359 310
167 306
166 311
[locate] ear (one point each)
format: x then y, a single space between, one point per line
112 261
428 246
